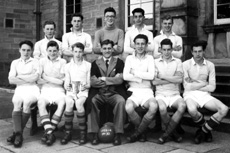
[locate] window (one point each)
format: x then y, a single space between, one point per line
221 12
146 5
70 7
9 23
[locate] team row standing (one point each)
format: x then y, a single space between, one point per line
107 85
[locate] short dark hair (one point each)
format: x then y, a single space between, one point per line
201 43
78 45
48 23
141 36
110 9
139 10
106 42
167 17
53 44
77 15
27 42
166 42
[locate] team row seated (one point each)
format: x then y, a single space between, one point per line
103 82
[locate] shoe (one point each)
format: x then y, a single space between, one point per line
44 138
18 140
83 138
176 137
208 137
134 137
117 140
199 137
143 137
162 139
67 138
95 140
11 138
50 139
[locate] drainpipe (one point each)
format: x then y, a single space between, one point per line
154 20
38 13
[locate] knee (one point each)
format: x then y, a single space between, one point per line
17 104
182 107
41 104
129 107
69 105
153 106
162 108
223 110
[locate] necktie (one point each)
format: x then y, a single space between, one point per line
107 63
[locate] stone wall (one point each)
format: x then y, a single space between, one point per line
21 12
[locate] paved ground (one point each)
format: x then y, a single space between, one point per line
32 144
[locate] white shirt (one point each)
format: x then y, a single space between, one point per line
131 34
176 40
75 72
70 38
144 71
41 46
53 69
22 67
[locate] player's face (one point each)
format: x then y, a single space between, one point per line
198 53
109 19
140 46
76 23
138 18
107 50
52 52
167 25
166 51
49 30
78 53
25 51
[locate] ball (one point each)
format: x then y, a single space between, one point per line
106 134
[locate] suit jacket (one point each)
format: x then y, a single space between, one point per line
112 84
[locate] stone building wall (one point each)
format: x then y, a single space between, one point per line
21 12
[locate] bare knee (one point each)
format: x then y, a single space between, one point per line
69 104
17 104
182 107
223 111
153 106
129 106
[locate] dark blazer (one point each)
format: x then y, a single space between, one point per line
112 84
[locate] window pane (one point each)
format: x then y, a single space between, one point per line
146 1
134 2
223 11
132 7
77 1
149 19
68 26
148 7
68 18
69 2
222 1
69 9
77 8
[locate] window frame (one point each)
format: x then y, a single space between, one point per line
148 27
64 14
219 21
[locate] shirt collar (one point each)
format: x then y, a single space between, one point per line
143 28
49 39
106 59
161 58
194 63
57 59
27 61
162 33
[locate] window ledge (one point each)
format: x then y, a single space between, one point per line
216 28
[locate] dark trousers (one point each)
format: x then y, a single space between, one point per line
118 104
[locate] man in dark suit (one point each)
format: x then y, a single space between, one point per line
107 88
